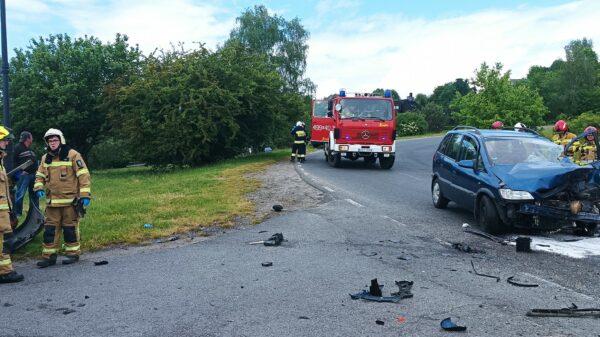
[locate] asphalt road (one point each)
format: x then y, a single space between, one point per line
374 224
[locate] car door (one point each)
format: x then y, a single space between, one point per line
447 167
468 179
321 124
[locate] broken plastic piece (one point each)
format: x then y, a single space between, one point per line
512 281
448 325
480 274
375 289
523 244
100 263
267 264
486 235
275 240
564 312
378 322
466 248
404 288
277 208
403 292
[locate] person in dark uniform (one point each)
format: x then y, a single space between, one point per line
299 145
24 178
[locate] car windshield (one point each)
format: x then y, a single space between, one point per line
510 151
320 108
366 109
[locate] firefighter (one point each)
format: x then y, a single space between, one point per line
66 179
7 274
562 136
299 145
586 151
497 125
520 126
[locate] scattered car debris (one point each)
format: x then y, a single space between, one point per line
523 244
402 258
480 274
267 264
375 294
512 281
466 248
148 226
448 325
572 311
81 305
68 311
100 263
275 240
496 239
401 319
379 322
262 232
86 297
303 317
277 208
6 305
542 245
369 254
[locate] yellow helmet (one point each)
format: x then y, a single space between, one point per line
6 133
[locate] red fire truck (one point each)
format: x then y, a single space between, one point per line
362 126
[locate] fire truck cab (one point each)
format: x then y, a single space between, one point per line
362 126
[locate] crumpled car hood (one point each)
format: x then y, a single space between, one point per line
538 178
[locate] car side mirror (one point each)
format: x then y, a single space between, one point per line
467 163
338 107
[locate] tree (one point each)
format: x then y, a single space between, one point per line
60 82
435 117
283 42
498 99
444 94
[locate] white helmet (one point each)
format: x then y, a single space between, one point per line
55 132
519 126
299 123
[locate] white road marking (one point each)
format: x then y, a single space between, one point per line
329 189
354 203
394 220
554 284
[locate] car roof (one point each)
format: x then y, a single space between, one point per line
488 133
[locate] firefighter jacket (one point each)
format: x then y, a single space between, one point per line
564 140
5 203
299 135
65 177
586 153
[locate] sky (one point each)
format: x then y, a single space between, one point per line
410 46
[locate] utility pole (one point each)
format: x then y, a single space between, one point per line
8 162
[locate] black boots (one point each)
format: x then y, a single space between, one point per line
11 277
47 262
70 259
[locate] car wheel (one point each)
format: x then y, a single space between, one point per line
488 216
334 159
439 201
386 163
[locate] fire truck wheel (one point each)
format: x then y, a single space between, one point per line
334 159
386 163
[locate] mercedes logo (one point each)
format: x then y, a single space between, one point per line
365 135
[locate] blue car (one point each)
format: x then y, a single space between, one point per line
515 179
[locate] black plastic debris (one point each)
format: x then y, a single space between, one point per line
275 240
100 263
267 264
277 208
448 325
523 244
484 275
572 311
467 249
379 322
404 288
303 317
514 282
486 235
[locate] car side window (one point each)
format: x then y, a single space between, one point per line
444 143
452 150
469 149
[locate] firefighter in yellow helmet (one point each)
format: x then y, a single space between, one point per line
7 274
586 151
64 178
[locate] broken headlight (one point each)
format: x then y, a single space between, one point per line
509 194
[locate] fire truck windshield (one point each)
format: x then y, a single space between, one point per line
357 108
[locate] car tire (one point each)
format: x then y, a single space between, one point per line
386 163
439 201
488 216
334 159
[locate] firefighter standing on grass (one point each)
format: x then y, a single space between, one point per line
7 274
586 151
65 177
299 145
562 136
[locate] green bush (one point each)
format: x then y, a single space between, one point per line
110 153
584 120
410 124
435 117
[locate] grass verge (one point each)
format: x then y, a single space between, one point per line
173 202
425 135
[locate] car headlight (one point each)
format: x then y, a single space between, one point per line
344 147
509 194
386 149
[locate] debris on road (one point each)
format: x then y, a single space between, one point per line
277 208
523 244
303 317
496 239
379 322
448 325
275 240
571 311
466 248
401 319
375 294
267 264
100 263
480 274
512 281
369 254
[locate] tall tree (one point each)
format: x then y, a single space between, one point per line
498 99
59 82
444 94
283 42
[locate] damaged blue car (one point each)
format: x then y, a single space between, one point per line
515 179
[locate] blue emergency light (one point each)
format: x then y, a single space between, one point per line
342 92
387 93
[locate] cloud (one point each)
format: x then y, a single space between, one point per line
388 50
